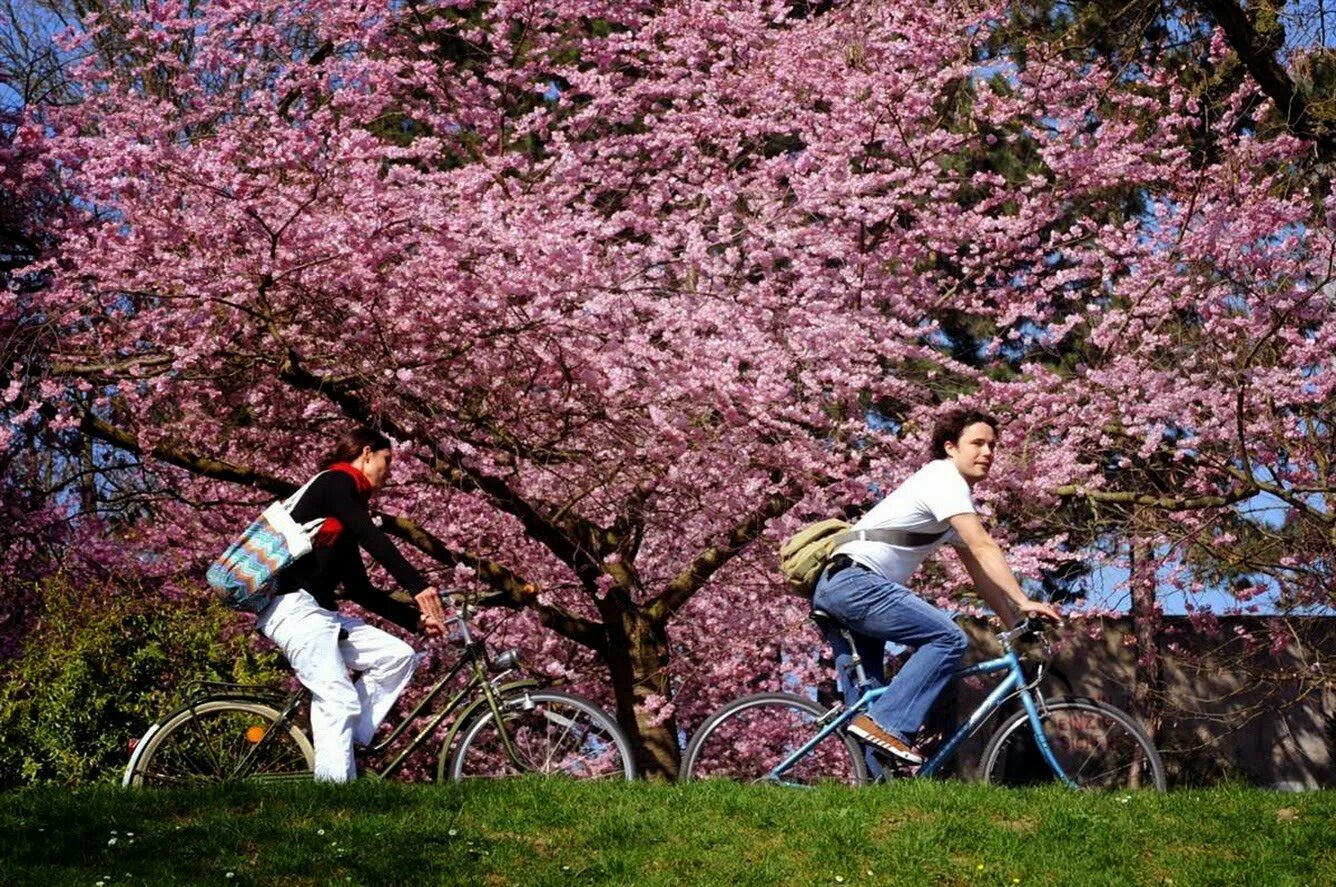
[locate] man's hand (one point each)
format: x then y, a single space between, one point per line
1038 608
429 602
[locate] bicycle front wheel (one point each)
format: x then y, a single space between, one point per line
552 733
221 740
749 737
1097 746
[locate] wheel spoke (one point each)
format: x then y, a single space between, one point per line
1096 746
212 740
747 739
552 733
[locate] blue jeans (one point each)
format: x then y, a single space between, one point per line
878 610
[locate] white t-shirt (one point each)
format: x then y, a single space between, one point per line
922 504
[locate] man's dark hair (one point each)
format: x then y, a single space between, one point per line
350 445
951 424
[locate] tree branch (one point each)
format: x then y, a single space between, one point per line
1164 503
509 589
1258 57
708 562
582 558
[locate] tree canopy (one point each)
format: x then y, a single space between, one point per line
638 286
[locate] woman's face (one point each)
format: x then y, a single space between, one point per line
375 464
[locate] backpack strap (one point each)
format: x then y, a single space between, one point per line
888 536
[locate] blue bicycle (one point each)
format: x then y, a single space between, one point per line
792 740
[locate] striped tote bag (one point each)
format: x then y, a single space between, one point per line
245 577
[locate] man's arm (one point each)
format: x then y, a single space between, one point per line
987 566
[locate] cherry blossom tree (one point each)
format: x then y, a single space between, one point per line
637 287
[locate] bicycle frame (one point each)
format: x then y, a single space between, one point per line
1013 684
477 681
474 657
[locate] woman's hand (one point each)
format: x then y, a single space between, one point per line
429 602
432 628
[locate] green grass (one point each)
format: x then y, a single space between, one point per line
535 833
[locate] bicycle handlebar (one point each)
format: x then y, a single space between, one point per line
1032 625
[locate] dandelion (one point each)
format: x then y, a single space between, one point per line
979 867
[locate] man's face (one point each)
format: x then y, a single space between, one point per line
973 451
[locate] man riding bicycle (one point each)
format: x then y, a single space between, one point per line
863 583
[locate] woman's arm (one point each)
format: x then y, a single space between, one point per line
345 505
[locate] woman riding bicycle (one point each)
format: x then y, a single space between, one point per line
322 644
862 585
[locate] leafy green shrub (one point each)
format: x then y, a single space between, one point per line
102 663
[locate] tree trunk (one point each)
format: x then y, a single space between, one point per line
1147 700
638 659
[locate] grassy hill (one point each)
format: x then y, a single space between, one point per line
534 833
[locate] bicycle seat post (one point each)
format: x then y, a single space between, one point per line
825 621
855 661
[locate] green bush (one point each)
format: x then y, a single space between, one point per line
102 663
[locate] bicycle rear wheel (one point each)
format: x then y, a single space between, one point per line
221 740
1097 745
749 737
553 733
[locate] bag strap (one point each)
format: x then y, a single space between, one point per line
888 536
311 526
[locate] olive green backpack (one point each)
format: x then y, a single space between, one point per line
803 555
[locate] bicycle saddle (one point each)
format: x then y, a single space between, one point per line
825 620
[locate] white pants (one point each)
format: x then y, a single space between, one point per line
343 711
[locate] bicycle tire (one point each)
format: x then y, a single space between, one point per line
1098 746
557 734
746 739
203 744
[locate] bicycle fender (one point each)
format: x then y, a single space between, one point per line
139 751
469 713
481 703
157 725
148 734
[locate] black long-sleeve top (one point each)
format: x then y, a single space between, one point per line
334 494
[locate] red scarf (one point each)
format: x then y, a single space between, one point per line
332 527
